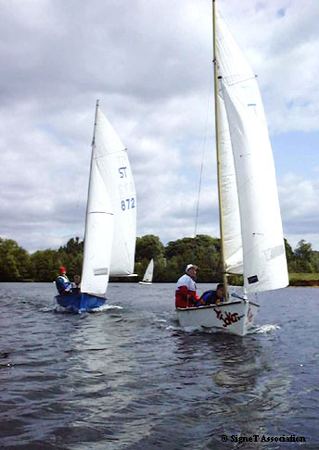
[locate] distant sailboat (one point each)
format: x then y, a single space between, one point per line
110 226
148 276
250 222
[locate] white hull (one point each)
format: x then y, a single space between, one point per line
233 317
145 282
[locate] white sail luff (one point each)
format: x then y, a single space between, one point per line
148 275
264 259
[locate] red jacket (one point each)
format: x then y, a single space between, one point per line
185 294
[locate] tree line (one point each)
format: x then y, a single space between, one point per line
16 264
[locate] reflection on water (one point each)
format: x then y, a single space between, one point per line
130 378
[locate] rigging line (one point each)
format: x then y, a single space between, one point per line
198 193
201 168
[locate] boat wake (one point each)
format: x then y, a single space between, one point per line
192 329
107 307
103 308
264 329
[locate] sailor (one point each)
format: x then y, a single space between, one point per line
185 294
76 285
214 297
63 284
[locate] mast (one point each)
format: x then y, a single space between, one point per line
92 151
95 120
217 121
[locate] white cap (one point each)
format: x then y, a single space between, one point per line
190 266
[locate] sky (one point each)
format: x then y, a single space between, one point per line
150 64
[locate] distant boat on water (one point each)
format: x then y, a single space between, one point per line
252 242
110 225
148 275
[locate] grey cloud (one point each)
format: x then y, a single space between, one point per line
149 61
100 47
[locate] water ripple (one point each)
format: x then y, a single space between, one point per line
130 378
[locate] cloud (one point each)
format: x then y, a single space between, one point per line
279 39
299 201
150 65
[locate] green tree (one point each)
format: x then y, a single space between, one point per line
73 246
202 250
148 247
14 261
45 264
170 261
291 258
304 257
315 260
71 256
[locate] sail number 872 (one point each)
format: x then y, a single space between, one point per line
128 203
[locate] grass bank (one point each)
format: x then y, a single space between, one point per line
304 279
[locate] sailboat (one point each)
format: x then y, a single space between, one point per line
252 242
148 275
110 225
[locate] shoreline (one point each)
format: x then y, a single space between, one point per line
292 283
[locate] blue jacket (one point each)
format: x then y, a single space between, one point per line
209 297
63 285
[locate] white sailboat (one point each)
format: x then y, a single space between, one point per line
110 227
250 221
148 275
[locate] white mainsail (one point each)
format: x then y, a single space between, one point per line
148 276
246 151
118 178
110 231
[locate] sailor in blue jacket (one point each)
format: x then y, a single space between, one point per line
63 284
214 297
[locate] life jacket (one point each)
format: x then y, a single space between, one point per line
63 285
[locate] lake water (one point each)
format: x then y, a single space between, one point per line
130 378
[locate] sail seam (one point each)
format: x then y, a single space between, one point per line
109 153
225 79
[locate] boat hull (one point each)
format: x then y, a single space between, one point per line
79 303
232 317
145 282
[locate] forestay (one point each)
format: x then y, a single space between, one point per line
246 152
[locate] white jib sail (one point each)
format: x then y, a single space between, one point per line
264 258
148 276
233 251
110 232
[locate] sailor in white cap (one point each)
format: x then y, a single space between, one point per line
185 294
